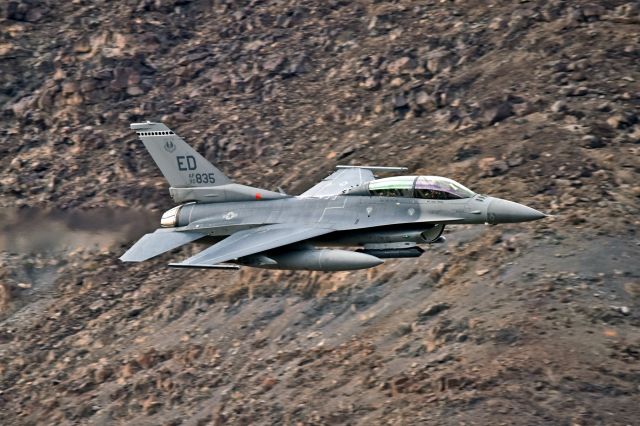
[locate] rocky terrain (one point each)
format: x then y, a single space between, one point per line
535 101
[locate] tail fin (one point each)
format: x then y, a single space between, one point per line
180 164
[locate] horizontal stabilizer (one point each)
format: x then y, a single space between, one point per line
161 241
196 265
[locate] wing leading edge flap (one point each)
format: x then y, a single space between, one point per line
151 245
251 241
198 266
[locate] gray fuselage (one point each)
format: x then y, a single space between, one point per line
363 219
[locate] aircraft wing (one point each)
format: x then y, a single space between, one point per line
157 243
251 241
338 181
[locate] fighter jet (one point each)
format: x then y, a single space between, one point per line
246 226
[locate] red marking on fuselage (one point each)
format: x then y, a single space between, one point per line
258 196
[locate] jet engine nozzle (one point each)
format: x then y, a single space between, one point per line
504 211
170 217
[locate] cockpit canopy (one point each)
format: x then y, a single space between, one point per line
425 187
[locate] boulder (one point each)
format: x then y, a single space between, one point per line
425 102
401 65
592 141
274 63
496 113
438 61
432 310
491 166
559 106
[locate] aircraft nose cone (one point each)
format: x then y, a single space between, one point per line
504 211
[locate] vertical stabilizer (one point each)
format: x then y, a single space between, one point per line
180 164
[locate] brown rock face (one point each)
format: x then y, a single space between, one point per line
633 289
5 296
527 324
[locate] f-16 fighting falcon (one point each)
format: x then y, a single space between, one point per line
246 226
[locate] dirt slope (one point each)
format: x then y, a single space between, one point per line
537 101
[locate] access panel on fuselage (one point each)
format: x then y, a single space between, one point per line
453 208
377 211
337 211
301 210
226 216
